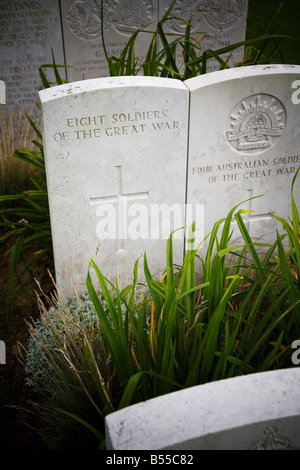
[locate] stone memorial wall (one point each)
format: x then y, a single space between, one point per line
28 31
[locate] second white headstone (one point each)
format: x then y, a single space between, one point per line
244 142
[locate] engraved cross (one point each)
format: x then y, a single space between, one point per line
121 199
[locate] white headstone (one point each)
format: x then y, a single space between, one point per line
115 152
244 141
83 35
218 23
251 412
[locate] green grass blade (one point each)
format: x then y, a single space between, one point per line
134 381
264 337
34 127
88 426
45 438
232 47
56 73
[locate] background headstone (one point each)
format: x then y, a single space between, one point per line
115 149
244 141
82 32
219 23
28 31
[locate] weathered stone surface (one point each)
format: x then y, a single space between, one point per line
244 142
257 411
28 32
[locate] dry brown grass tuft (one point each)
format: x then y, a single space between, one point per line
15 132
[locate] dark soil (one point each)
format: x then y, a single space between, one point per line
17 401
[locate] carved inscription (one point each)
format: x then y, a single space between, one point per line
255 124
248 170
25 27
116 125
94 63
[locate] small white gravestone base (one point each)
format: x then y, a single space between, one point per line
244 141
115 153
257 411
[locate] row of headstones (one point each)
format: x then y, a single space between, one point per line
72 28
130 159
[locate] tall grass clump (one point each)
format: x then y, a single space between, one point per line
58 372
25 218
238 320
